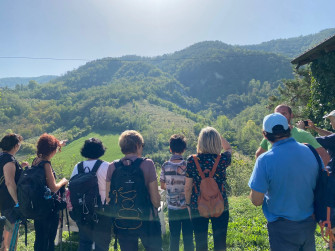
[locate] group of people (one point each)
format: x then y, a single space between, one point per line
179 177
285 175
283 181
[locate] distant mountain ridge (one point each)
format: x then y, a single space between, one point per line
292 47
11 82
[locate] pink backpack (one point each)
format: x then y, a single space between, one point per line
210 200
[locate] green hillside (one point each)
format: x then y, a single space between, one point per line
64 161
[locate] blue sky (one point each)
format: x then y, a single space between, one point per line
92 29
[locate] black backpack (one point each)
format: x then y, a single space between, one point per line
35 198
324 200
324 193
130 202
84 195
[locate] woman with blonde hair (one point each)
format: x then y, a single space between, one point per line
208 158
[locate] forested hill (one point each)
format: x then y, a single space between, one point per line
207 74
292 47
213 70
208 83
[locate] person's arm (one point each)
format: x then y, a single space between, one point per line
51 181
324 155
163 185
225 145
9 174
188 193
259 151
188 190
154 194
320 131
256 198
108 187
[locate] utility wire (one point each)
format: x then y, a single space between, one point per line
161 58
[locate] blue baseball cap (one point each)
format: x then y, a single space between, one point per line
274 119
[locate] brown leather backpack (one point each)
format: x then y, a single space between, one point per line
210 201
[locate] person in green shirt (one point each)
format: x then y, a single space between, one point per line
298 134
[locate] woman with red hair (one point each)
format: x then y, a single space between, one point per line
46 229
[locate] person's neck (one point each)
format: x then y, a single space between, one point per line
279 139
11 152
47 158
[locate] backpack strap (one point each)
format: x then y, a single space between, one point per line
118 163
96 166
211 174
317 156
137 162
201 173
42 163
80 167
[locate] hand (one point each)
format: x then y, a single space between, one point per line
63 142
311 124
300 124
24 164
64 181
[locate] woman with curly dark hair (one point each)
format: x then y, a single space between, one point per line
46 229
101 231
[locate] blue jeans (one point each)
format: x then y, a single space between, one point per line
100 234
219 227
180 220
292 235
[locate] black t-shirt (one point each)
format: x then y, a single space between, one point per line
328 142
6 200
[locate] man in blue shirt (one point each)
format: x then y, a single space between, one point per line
283 181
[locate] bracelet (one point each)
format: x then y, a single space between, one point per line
188 205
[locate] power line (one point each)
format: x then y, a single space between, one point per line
158 58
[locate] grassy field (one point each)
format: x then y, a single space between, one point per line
246 230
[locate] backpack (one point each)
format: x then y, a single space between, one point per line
130 202
84 195
34 196
210 200
324 199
